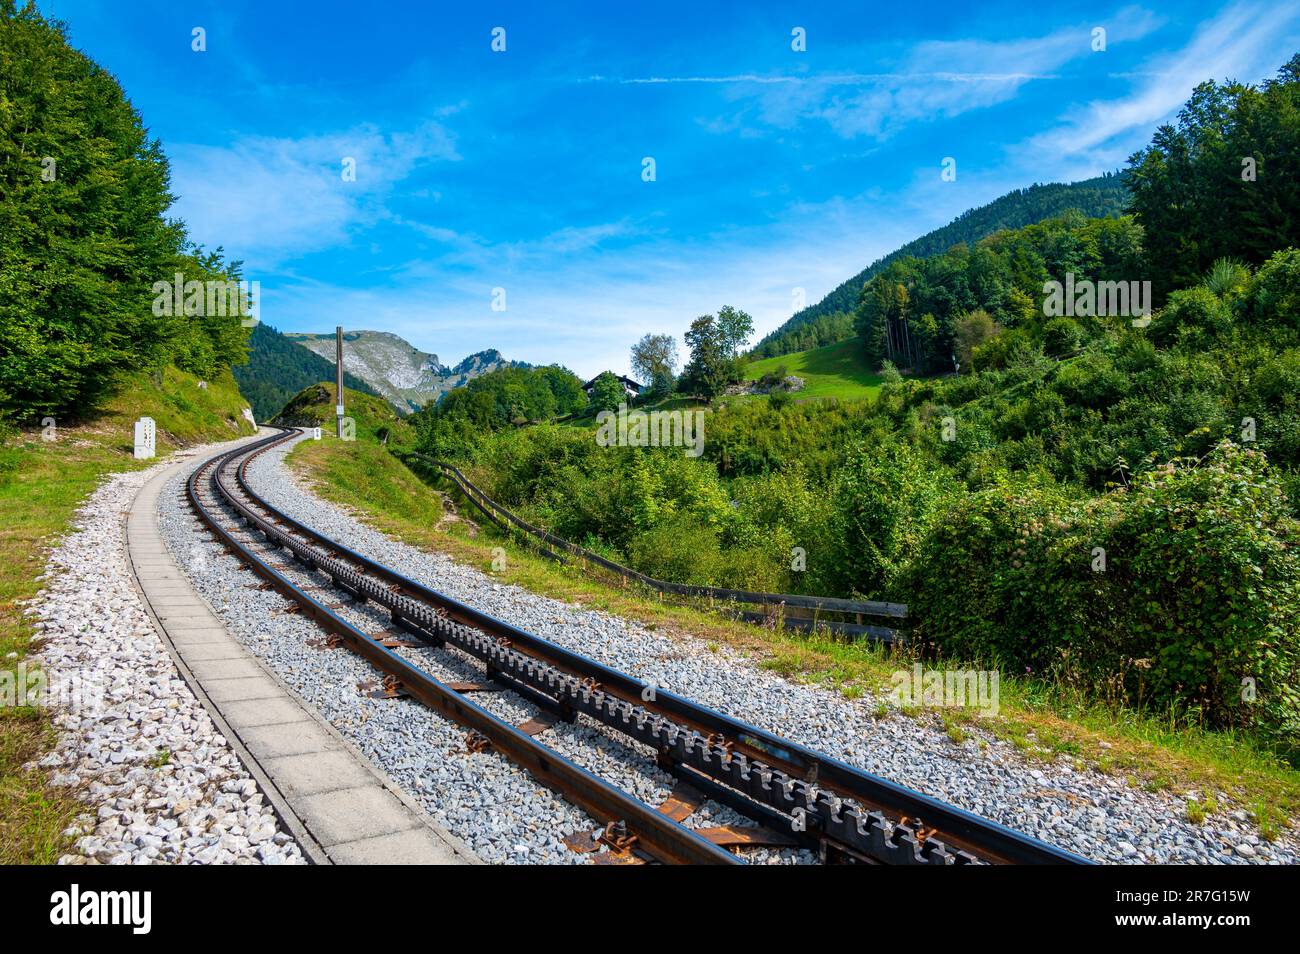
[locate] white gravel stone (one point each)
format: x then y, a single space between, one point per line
133 740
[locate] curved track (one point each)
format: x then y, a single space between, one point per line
796 795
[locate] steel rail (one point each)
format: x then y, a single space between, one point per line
657 835
837 803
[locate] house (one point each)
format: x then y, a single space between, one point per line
630 387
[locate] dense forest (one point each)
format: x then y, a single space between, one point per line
928 314
85 237
820 324
278 369
1105 497
456 425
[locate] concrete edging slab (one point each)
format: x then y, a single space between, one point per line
339 807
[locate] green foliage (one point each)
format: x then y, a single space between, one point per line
1199 588
885 497
971 330
457 424
1192 318
910 311
654 359
1062 336
1274 296
82 241
1193 187
715 345
606 393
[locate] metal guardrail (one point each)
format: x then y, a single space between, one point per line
774 604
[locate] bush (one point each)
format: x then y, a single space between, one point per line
1194 317
1002 350
1200 588
1062 336
970 331
1274 295
884 500
1208 585
683 548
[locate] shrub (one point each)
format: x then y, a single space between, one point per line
971 330
683 549
1194 317
1274 295
1208 586
884 500
1200 588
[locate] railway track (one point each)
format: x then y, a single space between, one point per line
796 796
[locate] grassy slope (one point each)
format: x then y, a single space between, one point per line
837 371
314 406
41 486
361 474
1040 720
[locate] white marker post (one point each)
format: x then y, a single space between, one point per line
146 437
338 389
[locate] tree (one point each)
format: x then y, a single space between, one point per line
716 345
654 361
706 373
1220 182
607 392
735 328
84 233
972 329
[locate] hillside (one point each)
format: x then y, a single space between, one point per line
278 369
1098 197
376 420
839 370
408 377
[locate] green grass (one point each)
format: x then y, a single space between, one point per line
42 483
833 371
365 478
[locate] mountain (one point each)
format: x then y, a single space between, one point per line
277 369
824 322
408 377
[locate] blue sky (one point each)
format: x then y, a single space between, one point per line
776 170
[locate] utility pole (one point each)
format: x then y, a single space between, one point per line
338 393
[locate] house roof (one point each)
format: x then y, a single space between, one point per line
628 382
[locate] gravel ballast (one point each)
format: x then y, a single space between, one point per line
1096 815
162 785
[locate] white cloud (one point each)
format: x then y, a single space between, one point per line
1247 41
937 79
272 199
